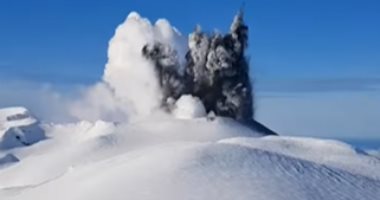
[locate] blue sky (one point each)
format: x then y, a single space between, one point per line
304 49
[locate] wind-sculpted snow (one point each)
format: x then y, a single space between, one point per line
18 128
329 152
166 158
16 116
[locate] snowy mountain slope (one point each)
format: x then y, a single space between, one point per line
166 158
73 144
328 152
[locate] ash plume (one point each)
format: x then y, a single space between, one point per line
151 67
216 71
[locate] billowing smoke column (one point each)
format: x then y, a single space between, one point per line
152 67
216 71
130 87
131 76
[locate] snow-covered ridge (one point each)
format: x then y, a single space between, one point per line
18 128
329 152
167 158
15 116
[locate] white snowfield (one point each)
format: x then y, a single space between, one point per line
163 158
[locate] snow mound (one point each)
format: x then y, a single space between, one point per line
204 171
167 158
189 107
18 128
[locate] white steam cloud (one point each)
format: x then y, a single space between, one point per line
130 87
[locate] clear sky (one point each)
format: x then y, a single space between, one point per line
305 54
